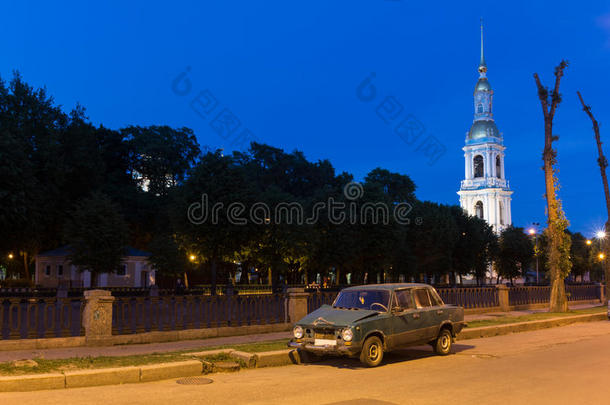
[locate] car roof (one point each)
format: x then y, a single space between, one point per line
389 286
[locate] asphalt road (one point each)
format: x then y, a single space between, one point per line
567 365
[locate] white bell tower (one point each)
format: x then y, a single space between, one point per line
485 192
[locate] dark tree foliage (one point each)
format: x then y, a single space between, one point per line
137 185
515 253
97 235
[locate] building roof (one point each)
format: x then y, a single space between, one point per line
482 85
66 250
483 129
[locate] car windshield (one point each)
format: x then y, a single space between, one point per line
376 300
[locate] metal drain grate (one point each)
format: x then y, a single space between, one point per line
194 381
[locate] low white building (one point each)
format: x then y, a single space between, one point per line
53 269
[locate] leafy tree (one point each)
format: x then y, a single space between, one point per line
580 253
30 172
515 253
205 231
161 156
97 235
559 241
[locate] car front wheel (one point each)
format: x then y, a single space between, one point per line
372 352
442 345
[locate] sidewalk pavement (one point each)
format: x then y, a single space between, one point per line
149 348
496 315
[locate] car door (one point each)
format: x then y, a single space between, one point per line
423 304
406 319
438 310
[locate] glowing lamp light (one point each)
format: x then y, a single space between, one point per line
192 258
10 256
589 241
531 231
601 256
601 234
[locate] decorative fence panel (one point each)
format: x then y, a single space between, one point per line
525 295
164 313
319 298
22 318
583 292
470 297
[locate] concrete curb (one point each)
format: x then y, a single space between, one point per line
498 330
102 376
35 382
164 371
248 358
277 358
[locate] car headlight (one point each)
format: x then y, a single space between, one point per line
347 335
297 332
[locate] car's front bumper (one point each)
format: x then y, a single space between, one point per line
338 349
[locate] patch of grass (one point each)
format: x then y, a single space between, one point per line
533 317
78 363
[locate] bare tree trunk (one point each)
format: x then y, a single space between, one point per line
556 219
603 164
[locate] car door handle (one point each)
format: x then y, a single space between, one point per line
439 312
415 316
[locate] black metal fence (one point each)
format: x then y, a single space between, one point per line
22 318
165 313
26 313
318 298
474 297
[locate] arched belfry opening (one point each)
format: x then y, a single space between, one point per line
478 209
498 167
501 212
477 163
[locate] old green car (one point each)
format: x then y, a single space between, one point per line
366 321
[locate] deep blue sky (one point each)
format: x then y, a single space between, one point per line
289 71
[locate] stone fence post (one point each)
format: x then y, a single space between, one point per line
97 316
503 297
297 304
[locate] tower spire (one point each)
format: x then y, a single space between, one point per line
482 65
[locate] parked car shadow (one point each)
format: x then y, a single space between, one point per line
397 356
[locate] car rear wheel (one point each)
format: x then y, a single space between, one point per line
442 345
372 352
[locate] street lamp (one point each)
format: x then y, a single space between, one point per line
192 258
589 242
601 256
10 256
600 234
533 233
